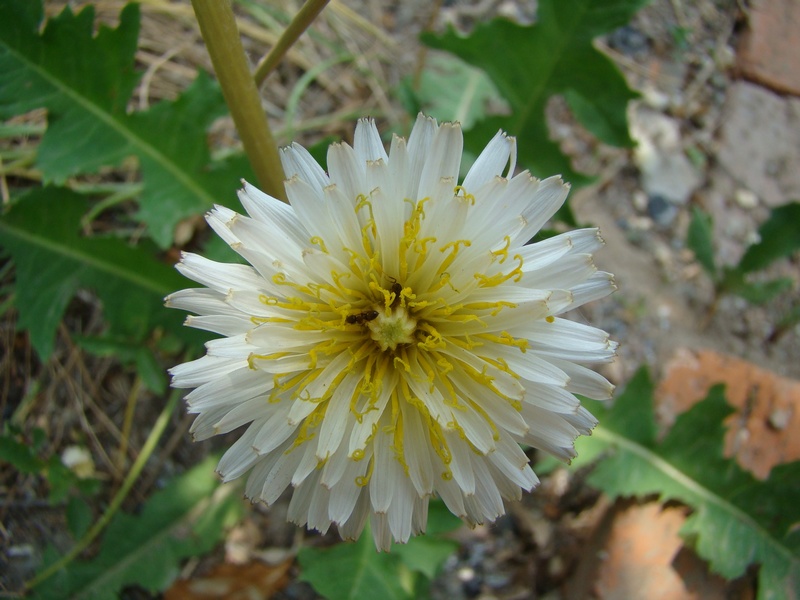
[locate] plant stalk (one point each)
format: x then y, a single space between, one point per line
304 17
218 27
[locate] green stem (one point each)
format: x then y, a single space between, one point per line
218 26
148 448
299 24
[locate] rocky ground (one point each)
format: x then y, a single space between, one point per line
718 127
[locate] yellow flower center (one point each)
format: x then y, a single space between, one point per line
392 327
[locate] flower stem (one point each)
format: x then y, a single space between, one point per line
299 24
147 450
218 26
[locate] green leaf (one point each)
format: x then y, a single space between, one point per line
53 262
779 236
354 570
451 90
79 516
187 518
440 519
85 83
61 480
555 56
737 520
700 241
789 319
180 179
734 281
19 455
426 553
762 292
357 570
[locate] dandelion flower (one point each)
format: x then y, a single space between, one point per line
393 338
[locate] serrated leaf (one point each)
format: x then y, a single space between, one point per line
180 179
699 239
353 570
737 520
451 90
53 262
555 56
187 518
85 82
779 236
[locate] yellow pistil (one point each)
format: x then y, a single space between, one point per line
390 329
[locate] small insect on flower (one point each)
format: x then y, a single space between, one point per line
460 355
396 289
361 318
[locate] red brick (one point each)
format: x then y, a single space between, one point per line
771 45
763 431
644 559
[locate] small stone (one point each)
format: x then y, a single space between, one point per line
691 271
628 40
466 574
745 198
664 313
641 223
661 210
655 98
640 200
779 419
665 169
555 566
663 256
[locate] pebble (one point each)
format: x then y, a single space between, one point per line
661 210
779 418
745 198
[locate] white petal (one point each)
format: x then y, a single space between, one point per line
201 301
550 196
419 144
202 370
347 491
385 474
444 157
297 161
221 324
367 142
269 211
346 172
334 425
402 510
461 463
221 277
491 162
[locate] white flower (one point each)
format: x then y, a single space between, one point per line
394 338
